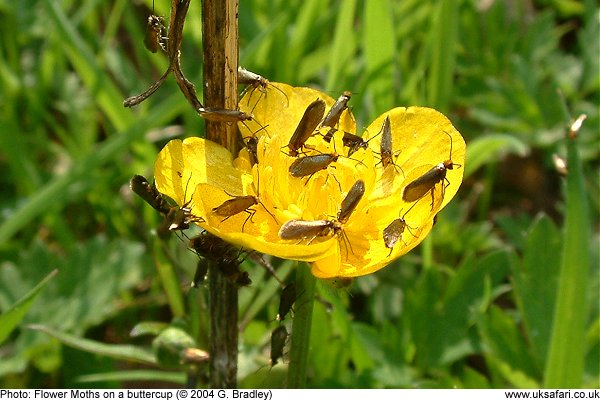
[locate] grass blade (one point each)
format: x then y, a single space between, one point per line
177 378
343 44
489 148
120 352
168 277
84 61
443 53
380 52
305 287
564 366
14 315
298 44
54 192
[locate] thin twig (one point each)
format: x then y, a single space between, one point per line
175 36
179 9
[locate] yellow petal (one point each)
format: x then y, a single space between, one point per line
421 139
181 166
327 267
258 232
206 169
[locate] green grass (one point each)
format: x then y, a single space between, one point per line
567 344
503 294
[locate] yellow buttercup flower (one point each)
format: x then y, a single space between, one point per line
291 206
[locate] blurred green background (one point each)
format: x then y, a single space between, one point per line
476 306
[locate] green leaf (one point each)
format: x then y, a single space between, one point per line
472 378
515 376
93 276
330 348
366 347
535 296
169 345
424 320
120 352
15 314
469 292
148 328
490 148
507 352
592 370
386 303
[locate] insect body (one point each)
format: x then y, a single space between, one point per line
386 143
221 115
278 339
353 142
246 77
300 229
351 200
180 218
333 116
236 205
239 204
176 218
307 125
212 247
255 80
393 232
149 193
426 182
215 249
309 165
179 10
153 39
350 140
286 300
252 146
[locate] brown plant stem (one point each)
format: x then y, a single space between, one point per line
220 60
